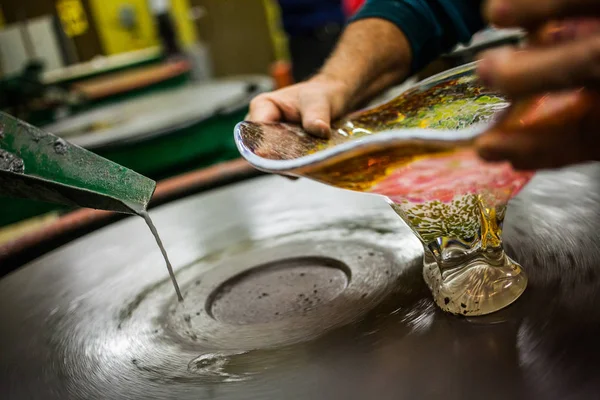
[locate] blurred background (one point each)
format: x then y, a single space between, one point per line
154 85
158 85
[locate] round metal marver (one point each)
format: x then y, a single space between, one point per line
275 291
98 319
296 291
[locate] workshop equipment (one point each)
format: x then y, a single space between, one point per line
98 318
38 165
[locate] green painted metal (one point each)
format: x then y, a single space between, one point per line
37 165
198 146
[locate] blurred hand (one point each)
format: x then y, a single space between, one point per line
314 103
561 57
553 83
531 14
549 131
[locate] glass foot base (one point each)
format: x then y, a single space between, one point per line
475 288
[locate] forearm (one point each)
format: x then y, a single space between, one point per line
371 55
391 39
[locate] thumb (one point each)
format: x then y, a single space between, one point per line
316 114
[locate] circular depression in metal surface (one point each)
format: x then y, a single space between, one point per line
278 289
277 294
92 319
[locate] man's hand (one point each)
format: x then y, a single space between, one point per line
314 103
547 75
531 14
546 132
371 55
559 56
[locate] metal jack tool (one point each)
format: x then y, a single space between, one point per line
38 165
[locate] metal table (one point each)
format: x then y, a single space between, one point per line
299 291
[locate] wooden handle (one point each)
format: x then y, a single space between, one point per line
124 81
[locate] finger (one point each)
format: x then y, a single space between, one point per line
527 71
555 32
543 132
528 13
316 114
263 109
518 149
528 150
274 107
551 147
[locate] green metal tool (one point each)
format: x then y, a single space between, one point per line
38 165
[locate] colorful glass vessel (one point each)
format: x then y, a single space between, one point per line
417 152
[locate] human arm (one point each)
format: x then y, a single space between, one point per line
347 78
384 43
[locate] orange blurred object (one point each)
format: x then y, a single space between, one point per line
281 71
121 82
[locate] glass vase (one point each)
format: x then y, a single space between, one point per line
417 152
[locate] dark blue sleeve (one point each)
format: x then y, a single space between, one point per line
432 27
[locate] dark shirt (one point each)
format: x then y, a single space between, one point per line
432 27
304 17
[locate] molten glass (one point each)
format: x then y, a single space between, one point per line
417 151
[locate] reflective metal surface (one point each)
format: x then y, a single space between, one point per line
299 291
